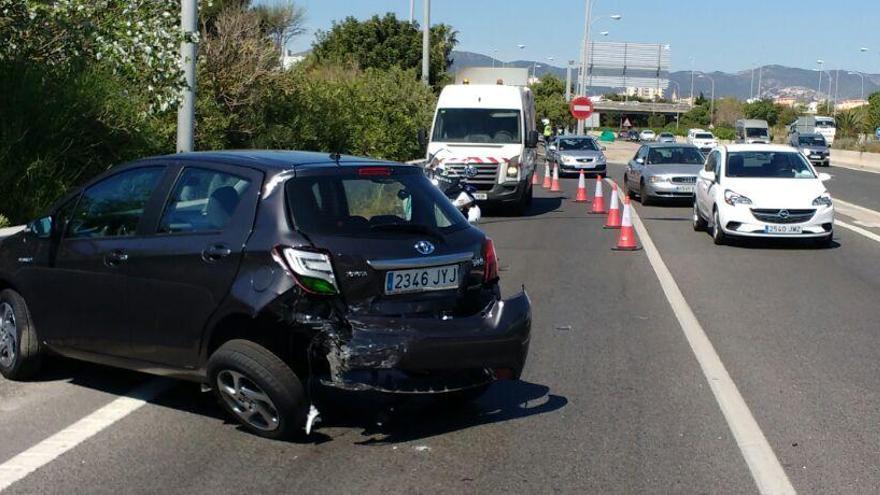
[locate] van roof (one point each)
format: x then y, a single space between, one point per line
752 122
481 96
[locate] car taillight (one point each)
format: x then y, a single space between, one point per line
374 171
490 268
311 269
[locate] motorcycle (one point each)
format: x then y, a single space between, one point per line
456 188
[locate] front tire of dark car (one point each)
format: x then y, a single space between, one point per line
258 389
20 355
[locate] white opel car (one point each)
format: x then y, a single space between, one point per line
762 190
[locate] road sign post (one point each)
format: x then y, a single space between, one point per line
581 108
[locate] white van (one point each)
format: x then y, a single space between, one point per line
486 134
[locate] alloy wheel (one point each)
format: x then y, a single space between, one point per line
247 400
8 334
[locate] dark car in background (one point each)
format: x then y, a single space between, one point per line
261 275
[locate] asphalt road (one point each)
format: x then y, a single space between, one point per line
612 400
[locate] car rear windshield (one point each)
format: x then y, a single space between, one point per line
811 140
367 200
577 144
684 155
756 132
477 125
704 136
768 164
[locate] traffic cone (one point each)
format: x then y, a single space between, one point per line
582 190
555 186
599 199
546 175
613 220
626 241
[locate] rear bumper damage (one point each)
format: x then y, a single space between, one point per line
429 355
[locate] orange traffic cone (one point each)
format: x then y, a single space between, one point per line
555 185
613 220
546 175
626 241
599 198
582 190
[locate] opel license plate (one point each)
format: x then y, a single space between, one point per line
421 279
782 229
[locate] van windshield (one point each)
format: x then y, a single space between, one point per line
477 125
811 140
756 132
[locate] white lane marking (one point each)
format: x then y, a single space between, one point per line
850 208
51 448
858 230
756 450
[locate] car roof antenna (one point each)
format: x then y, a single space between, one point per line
335 156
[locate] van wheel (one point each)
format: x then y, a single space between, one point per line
258 389
20 355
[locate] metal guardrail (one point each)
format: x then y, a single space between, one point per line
640 107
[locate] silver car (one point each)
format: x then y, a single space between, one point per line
576 153
666 137
663 171
813 147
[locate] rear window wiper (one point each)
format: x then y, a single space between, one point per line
416 228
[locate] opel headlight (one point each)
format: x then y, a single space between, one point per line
734 199
823 200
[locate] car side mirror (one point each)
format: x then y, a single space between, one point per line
41 227
423 138
640 161
532 139
824 176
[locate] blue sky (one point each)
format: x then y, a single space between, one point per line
728 35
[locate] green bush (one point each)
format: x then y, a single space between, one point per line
60 128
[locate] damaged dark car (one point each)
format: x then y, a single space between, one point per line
263 275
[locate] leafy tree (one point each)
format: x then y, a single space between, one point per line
656 121
385 42
550 101
763 110
727 110
701 100
851 123
872 119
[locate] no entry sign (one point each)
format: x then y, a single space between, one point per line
581 107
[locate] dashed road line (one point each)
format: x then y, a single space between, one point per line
763 464
51 448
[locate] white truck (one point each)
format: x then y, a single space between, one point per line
485 134
815 125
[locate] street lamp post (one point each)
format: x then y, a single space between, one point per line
568 81
862 76
712 101
819 89
582 75
186 113
426 44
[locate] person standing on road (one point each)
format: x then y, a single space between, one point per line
548 131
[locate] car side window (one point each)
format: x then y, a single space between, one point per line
114 206
202 200
640 153
717 165
710 162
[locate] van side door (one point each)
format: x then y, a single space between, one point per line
182 271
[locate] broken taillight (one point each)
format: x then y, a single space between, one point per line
311 269
490 268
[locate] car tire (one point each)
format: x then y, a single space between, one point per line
644 197
258 389
698 221
627 189
20 353
718 235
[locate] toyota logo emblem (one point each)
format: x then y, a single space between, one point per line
783 213
424 247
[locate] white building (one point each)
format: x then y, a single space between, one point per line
289 59
647 93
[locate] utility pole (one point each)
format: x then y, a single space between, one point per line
186 112
752 85
412 6
426 44
760 80
568 81
582 86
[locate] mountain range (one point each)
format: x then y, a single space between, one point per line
776 80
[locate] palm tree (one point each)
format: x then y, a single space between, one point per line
850 123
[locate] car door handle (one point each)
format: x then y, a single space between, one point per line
216 252
116 257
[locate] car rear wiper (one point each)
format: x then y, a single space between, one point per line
416 228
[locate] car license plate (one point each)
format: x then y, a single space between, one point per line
688 189
481 196
782 229
816 156
421 279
